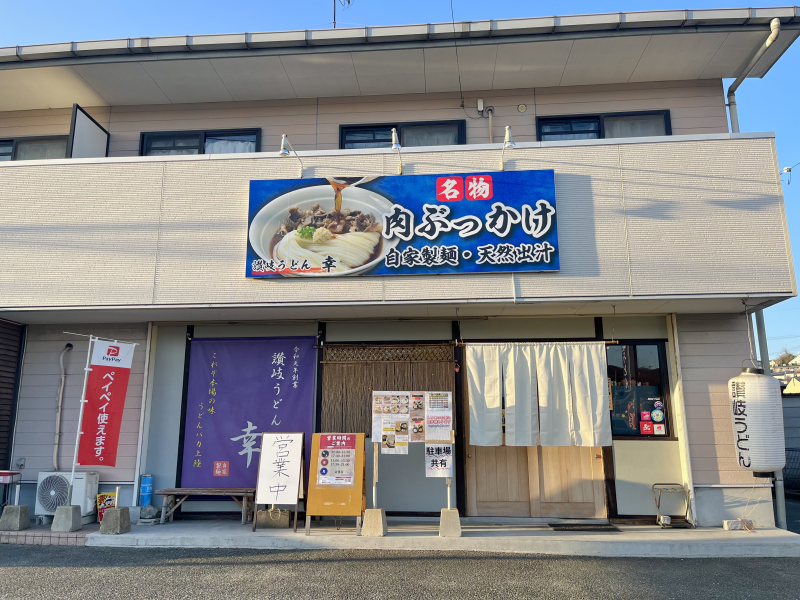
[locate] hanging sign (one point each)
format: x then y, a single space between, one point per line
403 225
279 468
238 389
106 388
336 462
438 460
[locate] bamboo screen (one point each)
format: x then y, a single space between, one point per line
351 373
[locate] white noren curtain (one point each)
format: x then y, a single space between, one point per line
556 394
485 410
521 392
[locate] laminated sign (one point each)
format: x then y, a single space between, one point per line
438 416
336 464
106 388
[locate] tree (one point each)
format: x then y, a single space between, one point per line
784 357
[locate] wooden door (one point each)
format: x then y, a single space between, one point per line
497 481
570 481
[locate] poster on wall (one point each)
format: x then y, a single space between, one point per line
106 388
438 460
438 416
388 404
417 417
394 438
238 389
403 225
279 468
336 463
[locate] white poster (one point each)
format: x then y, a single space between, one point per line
388 404
438 460
279 468
438 416
394 439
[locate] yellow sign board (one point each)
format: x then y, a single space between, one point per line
337 478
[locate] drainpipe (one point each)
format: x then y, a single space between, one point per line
775 29
59 402
763 351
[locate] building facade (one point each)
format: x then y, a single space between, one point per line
665 222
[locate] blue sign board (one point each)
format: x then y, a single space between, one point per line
403 225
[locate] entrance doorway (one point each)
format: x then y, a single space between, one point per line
548 482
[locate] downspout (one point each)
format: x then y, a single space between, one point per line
490 111
763 351
59 402
775 29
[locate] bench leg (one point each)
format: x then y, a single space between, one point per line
164 509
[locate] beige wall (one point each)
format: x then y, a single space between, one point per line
36 411
695 107
712 348
150 232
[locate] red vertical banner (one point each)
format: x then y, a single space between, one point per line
105 400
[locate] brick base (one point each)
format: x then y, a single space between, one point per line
40 535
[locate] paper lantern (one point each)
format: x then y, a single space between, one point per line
757 414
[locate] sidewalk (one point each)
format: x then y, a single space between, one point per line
491 535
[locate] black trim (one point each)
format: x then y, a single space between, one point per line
184 399
458 415
602 116
201 137
321 333
598 328
462 128
71 137
610 476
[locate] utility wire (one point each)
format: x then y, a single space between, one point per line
458 65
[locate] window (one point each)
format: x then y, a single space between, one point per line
612 125
637 380
33 148
440 133
175 143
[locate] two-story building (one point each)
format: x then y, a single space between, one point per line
146 196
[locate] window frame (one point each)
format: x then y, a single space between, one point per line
661 344
34 138
602 117
461 123
201 137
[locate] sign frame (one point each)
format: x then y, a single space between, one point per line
299 474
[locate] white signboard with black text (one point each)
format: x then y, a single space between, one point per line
279 468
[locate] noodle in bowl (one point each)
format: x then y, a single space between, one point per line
354 251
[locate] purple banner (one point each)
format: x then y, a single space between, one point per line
238 389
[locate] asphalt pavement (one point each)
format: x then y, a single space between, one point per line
109 573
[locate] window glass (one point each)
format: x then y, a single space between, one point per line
636 392
634 126
368 137
230 143
169 145
41 149
569 129
429 135
6 148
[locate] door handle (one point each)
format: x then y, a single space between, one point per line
469 455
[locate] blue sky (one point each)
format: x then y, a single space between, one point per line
769 104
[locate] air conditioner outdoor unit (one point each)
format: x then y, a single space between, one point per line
51 492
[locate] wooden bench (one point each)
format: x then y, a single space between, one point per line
170 505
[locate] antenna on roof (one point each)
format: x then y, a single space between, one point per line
344 3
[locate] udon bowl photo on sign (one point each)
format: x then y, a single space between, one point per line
403 225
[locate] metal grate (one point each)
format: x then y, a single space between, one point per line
791 472
421 353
